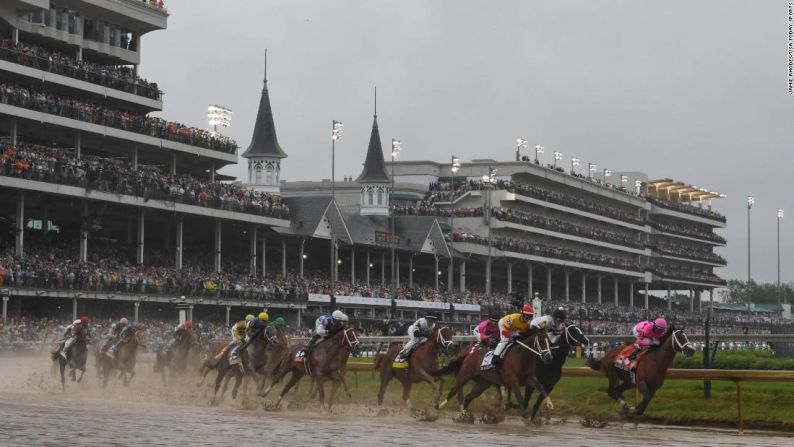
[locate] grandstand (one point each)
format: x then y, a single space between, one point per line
105 207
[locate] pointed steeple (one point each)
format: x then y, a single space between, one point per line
374 165
264 142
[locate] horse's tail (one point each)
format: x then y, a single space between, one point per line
593 363
378 361
452 367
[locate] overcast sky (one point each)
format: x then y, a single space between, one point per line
694 91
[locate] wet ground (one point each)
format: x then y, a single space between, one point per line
34 411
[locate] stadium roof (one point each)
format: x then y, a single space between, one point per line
685 192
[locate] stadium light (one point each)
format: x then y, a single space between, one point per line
607 173
219 116
337 130
779 291
638 186
574 163
557 156
455 168
396 146
521 143
538 150
455 164
591 167
624 179
750 203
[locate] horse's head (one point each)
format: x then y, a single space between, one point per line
350 339
575 337
537 342
443 337
139 338
680 342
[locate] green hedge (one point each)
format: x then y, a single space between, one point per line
737 360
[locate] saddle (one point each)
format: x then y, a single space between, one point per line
401 361
624 363
487 360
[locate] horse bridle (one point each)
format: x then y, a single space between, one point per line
677 345
441 340
568 336
351 343
539 351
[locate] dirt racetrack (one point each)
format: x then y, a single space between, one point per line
34 411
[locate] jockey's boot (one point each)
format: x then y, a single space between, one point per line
314 340
636 353
496 360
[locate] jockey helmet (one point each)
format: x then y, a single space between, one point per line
431 317
263 316
279 320
76 322
249 317
494 318
559 313
339 315
84 319
124 321
527 310
188 324
659 325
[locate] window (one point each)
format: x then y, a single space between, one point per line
369 197
257 174
380 197
269 171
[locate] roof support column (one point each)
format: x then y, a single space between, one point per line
631 294
301 257
173 163
74 309
180 228
283 258
548 282
15 36
369 267
451 274
212 171
462 274
228 311
669 300
584 286
14 131
78 144
509 277
332 266
691 301
264 256
530 289
84 234
383 269
252 252
20 233
616 282
488 276
397 268
435 272
567 285
599 287
700 300
218 231
352 265
411 271
134 157
141 227
646 296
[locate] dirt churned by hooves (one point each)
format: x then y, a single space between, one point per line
594 422
425 414
492 416
464 418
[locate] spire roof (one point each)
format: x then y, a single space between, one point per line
374 166
264 143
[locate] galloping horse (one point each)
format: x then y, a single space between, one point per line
518 369
423 360
327 361
650 370
176 360
268 361
549 374
76 358
124 360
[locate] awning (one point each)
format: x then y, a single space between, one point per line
405 196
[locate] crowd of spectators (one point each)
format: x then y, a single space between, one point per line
47 102
689 230
423 209
117 77
46 164
687 208
550 251
688 273
562 226
690 251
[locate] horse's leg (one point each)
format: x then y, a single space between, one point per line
407 392
238 379
274 380
294 379
385 378
647 395
480 385
535 383
62 364
218 380
334 387
320 384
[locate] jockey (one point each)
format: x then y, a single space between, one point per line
252 329
73 331
113 334
487 331
239 332
510 328
417 334
326 326
647 334
553 324
181 332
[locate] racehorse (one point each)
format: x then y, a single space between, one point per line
650 372
267 362
518 369
423 360
124 360
327 361
176 360
76 358
549 374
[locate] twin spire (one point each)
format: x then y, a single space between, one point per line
264 142
374 165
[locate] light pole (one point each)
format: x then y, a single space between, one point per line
521 143
538 150
607 173
337 129
455 169
574 163
591 167
623 180
557 156
489 181
396 146
779 290
638 186
750 203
